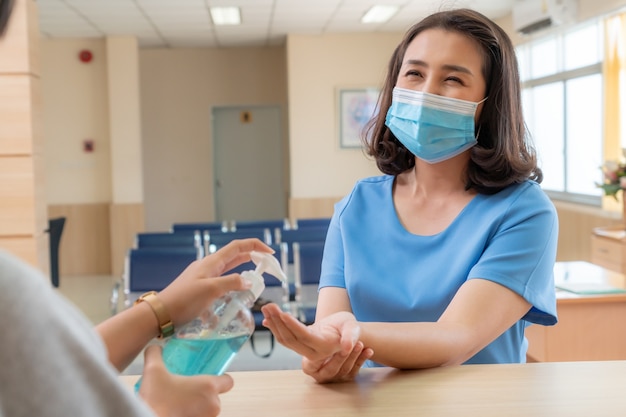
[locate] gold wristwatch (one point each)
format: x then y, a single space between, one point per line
165 322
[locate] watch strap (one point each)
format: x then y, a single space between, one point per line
166 327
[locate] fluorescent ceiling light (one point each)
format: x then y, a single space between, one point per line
377 14
225 15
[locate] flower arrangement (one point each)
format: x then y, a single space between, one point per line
614 178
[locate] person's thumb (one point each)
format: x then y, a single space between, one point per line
153 356
350 333
223 383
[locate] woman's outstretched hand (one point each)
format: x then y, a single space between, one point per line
331 349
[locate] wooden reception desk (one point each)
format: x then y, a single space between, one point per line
592 316
536 389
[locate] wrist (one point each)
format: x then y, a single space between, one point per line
164 321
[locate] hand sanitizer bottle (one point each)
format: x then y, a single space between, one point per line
208 344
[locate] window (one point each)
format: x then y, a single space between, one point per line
563 106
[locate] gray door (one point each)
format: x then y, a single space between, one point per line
248 163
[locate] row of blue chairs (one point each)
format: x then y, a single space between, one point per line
152 269
158 257
235 225
204 239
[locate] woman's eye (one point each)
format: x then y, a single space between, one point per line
413 73
454 79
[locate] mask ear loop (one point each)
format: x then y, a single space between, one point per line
479 126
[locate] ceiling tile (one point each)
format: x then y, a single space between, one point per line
264 22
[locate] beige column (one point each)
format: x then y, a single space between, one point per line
127 214
23 217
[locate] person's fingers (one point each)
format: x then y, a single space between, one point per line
366 354
282 333
223 383
231 282
271 310
338 368
340 365
235 253
289 332
350 360
312 368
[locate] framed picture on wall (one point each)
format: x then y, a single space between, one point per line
356 106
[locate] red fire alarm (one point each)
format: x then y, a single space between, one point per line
85 55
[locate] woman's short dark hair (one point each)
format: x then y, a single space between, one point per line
504 154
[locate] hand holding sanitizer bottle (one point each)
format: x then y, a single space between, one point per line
208 344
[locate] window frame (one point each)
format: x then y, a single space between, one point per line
562 76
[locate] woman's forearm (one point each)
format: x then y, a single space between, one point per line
417 345
127 333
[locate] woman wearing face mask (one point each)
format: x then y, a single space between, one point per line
447 257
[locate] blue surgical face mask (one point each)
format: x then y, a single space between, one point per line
434 128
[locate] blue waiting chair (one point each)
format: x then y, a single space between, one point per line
307 234
311 222
201 226
260 224
188 238
308 267
223 238
151 269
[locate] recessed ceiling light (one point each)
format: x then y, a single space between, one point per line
225 15
377 14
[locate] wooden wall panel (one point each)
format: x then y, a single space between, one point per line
576 223
22 209
19 48
85 247
589 331
126 221
301 208
17 193
23 247
16 129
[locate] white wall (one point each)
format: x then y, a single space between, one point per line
318 67
75 108
178 89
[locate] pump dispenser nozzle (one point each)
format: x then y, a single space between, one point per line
265 262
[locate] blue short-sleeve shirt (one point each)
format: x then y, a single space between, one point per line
392 275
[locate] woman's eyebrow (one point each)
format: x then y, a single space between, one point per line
448 67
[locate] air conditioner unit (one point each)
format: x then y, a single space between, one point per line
533 15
